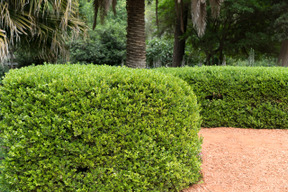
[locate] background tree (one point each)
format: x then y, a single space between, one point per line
181 21
280 27
243 29
242 25
178 13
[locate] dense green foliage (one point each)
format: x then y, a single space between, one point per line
159 52
279 15
98 128
241 26
252 62
25 58
105 45
247 97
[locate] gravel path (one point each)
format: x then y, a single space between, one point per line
243 160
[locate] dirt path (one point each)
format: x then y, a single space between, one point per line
244 160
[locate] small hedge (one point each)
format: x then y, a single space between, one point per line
247 97
98 128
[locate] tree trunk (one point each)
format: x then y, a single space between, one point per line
136 46
283 56
208 58
221 55
179 41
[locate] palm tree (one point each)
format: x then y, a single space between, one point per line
40 25
136 46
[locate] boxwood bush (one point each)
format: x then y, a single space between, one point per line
246 97
92 128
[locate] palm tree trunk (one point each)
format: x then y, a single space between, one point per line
136 47
283 56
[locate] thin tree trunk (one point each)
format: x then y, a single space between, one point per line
208 58
221 55
179 41
283 56
136 47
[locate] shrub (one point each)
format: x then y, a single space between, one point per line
159 52
26 56
98 128
247 97
261 62
106 45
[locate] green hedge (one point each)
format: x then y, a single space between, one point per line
98 128
246 97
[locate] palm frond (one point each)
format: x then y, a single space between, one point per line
215 7
44 23
201 25
195 6
103 6
3 45
199 14
9 21
12 24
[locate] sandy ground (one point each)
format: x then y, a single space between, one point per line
243 160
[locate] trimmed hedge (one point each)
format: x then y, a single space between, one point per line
98 128
247 97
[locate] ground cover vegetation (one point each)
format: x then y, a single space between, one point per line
247 97
98 128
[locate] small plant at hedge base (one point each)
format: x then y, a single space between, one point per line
89 128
